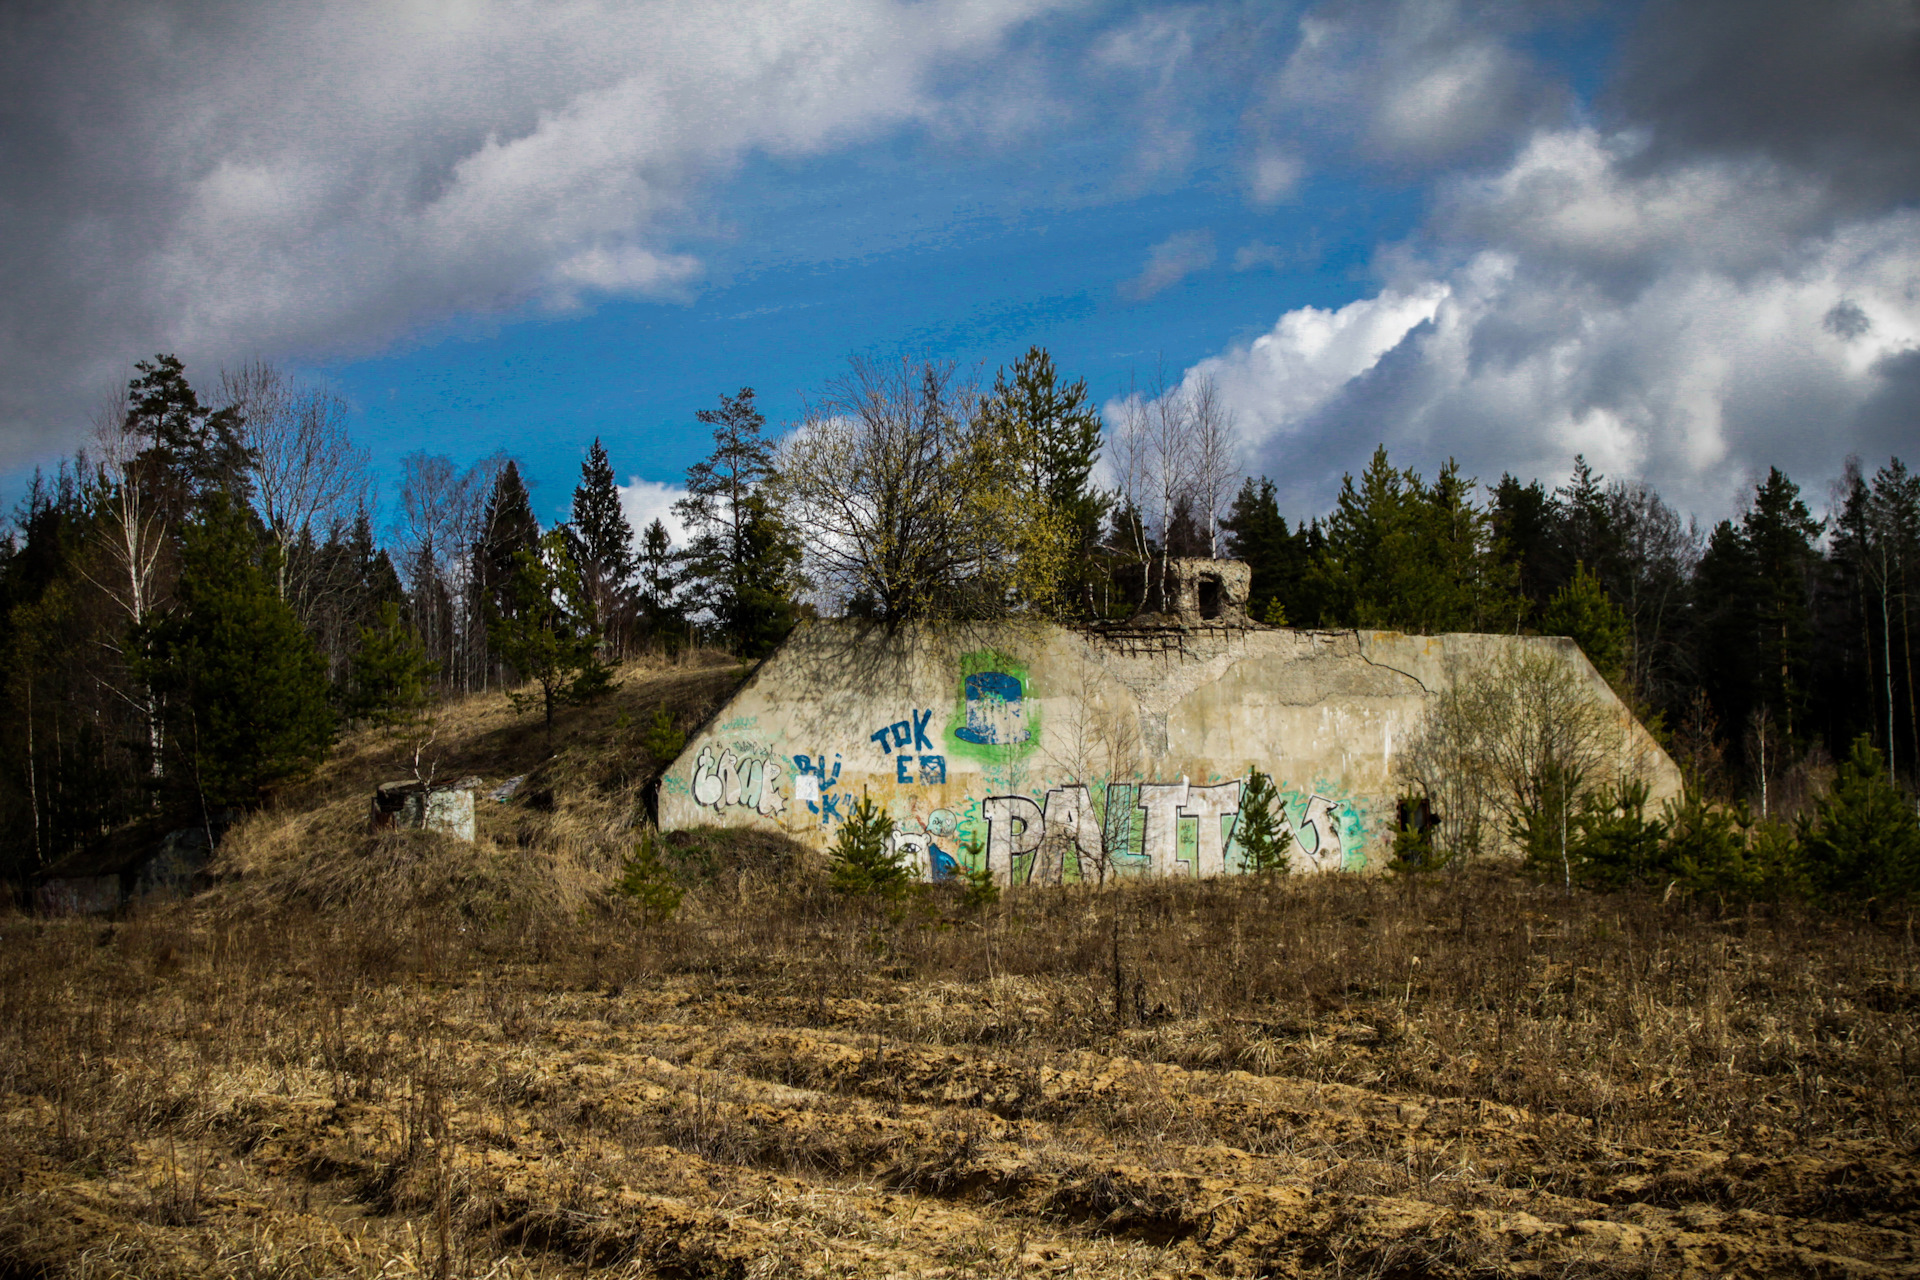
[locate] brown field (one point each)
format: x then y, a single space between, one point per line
402 1056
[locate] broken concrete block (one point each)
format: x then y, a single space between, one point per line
444 807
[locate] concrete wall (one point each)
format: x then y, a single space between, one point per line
1060 753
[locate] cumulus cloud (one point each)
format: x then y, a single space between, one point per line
644 501
1662 323
221 178
1169 262
1719 272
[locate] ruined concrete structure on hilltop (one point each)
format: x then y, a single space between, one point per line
1044 753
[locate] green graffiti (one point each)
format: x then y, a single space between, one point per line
996 715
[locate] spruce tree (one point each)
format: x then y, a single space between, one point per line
1582 611
1526 524
507 528
659 581
604 544
1402 554
244 686
1264 842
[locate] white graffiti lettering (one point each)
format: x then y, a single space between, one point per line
730 781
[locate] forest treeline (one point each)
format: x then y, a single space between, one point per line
194 606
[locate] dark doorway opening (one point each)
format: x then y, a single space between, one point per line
1210 596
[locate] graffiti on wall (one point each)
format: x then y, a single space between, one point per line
996 717
814 787
1002 818
905 742
928 848
1153 828
724 779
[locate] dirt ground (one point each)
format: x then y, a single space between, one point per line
208 1118
434 1061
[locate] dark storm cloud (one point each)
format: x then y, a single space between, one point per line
1830 89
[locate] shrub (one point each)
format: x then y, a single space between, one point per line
981 891
662 738
1614 843
1414 848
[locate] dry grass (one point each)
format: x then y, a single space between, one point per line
406 1056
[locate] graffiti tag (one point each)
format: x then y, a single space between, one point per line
727 780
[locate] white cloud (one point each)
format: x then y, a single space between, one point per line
644 501
240 178
1280 378
1273 177
1169 262
1672 324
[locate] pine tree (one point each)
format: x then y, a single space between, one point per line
193 452
861 864
392 678
1724 639
1054 429
1779 533
245 688
1865 840
1264 842
548 636
742 563
761 609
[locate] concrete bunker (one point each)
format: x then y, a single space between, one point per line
134 862
1210 591
1042 753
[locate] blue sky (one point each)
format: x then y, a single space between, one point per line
873 255
1495 231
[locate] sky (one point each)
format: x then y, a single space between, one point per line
1681 239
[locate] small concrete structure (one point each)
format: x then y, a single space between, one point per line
1210 591
133 862
443 807
1044 753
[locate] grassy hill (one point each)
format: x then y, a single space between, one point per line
399 1055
